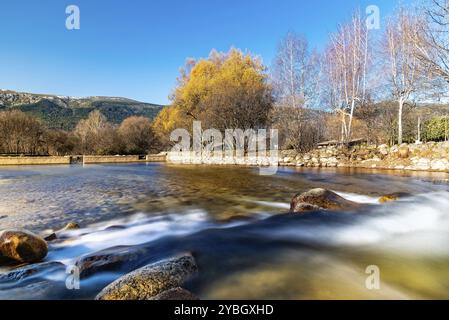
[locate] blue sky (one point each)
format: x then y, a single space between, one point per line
135 48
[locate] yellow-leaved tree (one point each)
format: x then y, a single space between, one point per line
225 91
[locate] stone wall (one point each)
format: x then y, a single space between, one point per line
14 161
430 156
220 158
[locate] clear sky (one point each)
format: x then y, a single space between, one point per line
135 48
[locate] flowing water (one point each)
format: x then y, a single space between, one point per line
234 222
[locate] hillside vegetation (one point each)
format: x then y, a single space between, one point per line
60 112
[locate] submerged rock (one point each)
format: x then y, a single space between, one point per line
392 197
50 236
31 271
110 259
147 282
22 246
56 234
39 290
176 294
317 199
71 226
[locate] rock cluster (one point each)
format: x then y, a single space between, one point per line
430 156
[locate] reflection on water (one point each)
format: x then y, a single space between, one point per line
232 220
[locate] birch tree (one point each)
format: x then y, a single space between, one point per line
295 72
431 42
402 65
347 59
295 76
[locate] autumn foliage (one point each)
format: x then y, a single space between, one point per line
225 91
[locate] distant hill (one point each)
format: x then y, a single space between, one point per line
61 112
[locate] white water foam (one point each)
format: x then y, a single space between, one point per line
360 198
418 225
134 230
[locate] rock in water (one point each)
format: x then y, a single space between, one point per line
34 270
55 235
71 226
316 199
110 259
147 282
393 197
22 246
176 294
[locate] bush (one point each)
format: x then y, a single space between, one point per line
437 129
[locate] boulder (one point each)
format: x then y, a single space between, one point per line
178 293
383 149
22 246
147 282
320 199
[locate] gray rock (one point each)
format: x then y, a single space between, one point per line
147 282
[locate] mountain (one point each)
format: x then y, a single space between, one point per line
61 112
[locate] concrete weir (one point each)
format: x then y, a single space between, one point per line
16 161
67 160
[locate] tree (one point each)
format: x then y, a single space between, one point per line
298 128
97 136
295 78
20 133
346 63
437 129
60 142
402 65
168 119
137 135
295 72
431 41
226 91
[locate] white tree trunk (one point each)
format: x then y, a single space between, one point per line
401 106
351 116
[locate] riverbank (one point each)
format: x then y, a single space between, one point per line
431 156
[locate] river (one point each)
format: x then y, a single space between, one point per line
234 222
